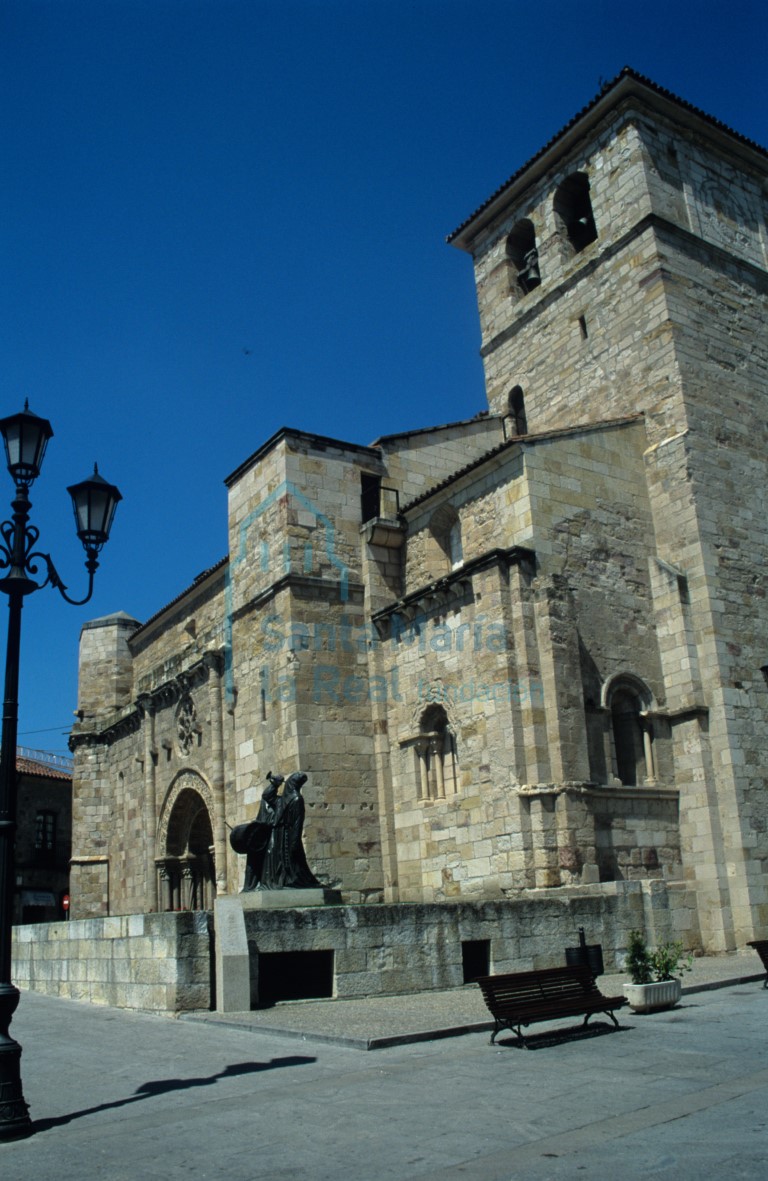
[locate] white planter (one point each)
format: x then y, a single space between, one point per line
648 998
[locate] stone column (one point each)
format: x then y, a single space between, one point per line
437 748
215 665
421 750
650 766
147 708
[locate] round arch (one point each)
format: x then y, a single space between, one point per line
628 700
184 845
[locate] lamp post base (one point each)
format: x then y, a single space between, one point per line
14 1112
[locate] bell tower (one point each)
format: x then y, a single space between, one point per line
622 270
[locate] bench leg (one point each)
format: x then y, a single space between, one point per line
606 1013
517 1030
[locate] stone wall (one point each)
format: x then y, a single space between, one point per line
164 962
154 961
409 948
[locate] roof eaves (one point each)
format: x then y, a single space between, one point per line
287 432
25 766
483 416
606 97
514 440
201 578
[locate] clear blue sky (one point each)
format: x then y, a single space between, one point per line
223 216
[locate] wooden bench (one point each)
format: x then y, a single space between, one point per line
522 998
761 947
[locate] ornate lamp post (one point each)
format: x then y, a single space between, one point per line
94 500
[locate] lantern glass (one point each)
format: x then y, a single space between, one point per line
94 502
26 437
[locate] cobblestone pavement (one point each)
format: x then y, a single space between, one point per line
129 1096
377 1022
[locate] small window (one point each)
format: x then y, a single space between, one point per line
573 210
455 548
45 836
632 732
518 420
445 527
436 755
45 832
370 496
524 256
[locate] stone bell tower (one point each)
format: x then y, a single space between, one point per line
621 270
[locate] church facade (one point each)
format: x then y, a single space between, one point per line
512 654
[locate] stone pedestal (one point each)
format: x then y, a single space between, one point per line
233 974
280 899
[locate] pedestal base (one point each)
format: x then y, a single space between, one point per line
233 970
282 899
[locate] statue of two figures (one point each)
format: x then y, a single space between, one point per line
272 842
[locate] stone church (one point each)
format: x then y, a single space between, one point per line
518 654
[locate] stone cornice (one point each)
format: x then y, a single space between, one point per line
298 583
602 791
104 733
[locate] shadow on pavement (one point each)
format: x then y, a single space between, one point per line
561 1037
163 1086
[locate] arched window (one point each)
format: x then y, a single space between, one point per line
436 755
517 418
523 255
573 210
628 700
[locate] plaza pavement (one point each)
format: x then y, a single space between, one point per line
126 1096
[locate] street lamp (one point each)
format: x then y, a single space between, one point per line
94 500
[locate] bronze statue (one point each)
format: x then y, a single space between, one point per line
272 842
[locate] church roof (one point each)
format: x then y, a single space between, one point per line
182 594
516 441
628 81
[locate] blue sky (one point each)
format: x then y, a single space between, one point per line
219 217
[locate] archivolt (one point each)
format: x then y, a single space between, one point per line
185 781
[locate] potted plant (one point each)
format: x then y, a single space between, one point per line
655 984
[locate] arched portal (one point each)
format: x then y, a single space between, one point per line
185 863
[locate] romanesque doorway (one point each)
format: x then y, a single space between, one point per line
186 870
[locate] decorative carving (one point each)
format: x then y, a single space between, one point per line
186 725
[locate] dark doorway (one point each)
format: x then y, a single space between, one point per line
295 976
475 959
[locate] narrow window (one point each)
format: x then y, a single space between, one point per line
370 496
631 738
573 210
455 548
45 836
517 416
524 256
